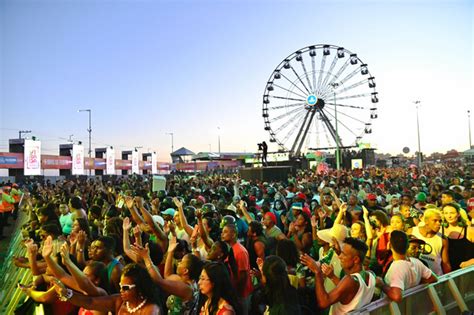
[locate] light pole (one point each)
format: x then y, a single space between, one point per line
334 86
172 140
90 132
469 124
418 131
219 139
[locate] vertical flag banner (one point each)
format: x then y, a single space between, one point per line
135 169
154 169
32 157
77 159
110 154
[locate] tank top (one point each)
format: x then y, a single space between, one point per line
436 243
363 296
459 249
176 305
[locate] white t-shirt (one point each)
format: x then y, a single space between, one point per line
405 274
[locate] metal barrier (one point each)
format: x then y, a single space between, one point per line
452 294
10 275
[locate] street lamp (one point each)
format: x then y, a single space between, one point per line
88 130
469 124
172 140
334 86
219 139
418 131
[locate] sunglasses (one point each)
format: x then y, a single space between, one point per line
126 287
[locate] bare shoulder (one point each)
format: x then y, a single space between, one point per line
152 309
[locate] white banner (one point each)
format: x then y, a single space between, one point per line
357 163
154 168
135 169
110 160
32 157
77 159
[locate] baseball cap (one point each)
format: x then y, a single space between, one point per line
371 197
272 217
169 211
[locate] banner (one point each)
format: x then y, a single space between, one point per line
32 161
154 169
135 169
110 157
357 163
77 159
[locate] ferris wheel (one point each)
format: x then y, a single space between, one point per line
319 97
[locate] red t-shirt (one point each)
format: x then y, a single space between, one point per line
243 264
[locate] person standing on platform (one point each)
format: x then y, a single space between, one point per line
264 153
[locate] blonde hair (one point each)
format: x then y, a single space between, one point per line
431 212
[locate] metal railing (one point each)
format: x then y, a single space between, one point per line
452 294
10 275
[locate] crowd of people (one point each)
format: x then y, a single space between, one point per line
313 244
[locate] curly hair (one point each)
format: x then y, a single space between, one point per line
144 283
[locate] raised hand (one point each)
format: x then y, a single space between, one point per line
314 221
260 264
177 202
140 251
126 224
47 247
308 261
365 211
32 248
344 207
81 238
65 253
198 214
129 202
138 201
172 244
328 270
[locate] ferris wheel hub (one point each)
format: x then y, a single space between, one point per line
311 100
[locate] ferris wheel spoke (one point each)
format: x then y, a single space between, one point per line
349 76
293 129
288 90
351 117
330 127
287 98
299 78
342 105
305 132
339 122
291 120
313 66
352 96
287 106
306 74
327 93
292 83
323 63
329 72
286 114
326 132
293 147
339 72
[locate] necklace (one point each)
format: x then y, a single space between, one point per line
133 310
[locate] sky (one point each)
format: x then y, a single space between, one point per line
198 69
